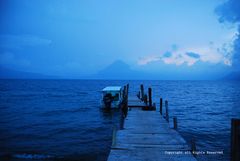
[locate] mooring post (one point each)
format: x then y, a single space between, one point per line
145 99
139 95
193 148
175 123
124 92
127 92
126 101
114 136
166 106
235 139
142 92
161 106
150 97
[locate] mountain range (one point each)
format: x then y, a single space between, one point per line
7 73
118 70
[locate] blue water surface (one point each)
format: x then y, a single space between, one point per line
62 119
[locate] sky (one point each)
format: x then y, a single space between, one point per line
76 38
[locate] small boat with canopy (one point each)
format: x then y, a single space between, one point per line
112 97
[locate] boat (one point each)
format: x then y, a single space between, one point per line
112 97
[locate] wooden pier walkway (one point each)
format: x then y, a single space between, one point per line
147 136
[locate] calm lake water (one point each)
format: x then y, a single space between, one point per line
62 120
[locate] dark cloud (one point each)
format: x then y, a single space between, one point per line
193 55
230 12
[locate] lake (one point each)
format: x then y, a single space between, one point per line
62 119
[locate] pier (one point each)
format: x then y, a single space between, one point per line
146 134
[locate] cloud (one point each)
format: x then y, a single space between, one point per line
179 58
167 54
211 54
206 54
148 59
20 41
230 12
168 58
226 51
193 55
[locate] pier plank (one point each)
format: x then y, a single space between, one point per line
136 103
147 154
147 136
158 146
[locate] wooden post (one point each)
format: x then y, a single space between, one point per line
142 92
124 92
175 123
166 106
127 88
235 139
125 102
150 97
193 148
127 96
145 99
139 95
161 106
114 136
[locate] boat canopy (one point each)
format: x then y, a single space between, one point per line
112 88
